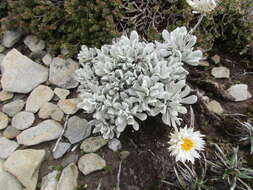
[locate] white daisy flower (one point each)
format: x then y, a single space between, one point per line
185 144
202 6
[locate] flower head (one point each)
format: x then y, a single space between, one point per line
202 6
185 144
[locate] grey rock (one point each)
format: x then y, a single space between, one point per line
216 59
114 144
23 120
4 120
5 96
90 163
61 93
10 38
221 72
62 148
8 181
7 147
38 97
61 73
49 182
1 58
11 132
69 106
239 92
47 59
20 74
124 154
13 107
93 144
25 165
68 179
50 110
70 158
77 129
34 44
215 107
45 131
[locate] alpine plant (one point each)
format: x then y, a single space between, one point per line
131 79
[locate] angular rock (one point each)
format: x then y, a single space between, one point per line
4 120
62 148
8 181
68 179
221 72
45 131
77 129
25 165
93 144
61 93
7 147
20 74
23 120
61 73
47 59
216 59
5 95
34 44
68 159
90 163
10 38
114 144
215 107
239 92
69 106
11 132
50 110
13 107
49 182
39 96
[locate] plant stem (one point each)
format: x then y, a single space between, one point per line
198 23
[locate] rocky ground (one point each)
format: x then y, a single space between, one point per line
39 102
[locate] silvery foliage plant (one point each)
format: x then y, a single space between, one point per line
132 79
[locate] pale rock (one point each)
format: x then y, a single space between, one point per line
61 73
93 144
69 106
13 107
69 158
90 163
221 72
4 120
216 59
49 182
7 147
34 44
45 131
23 120
10 38
68 179
114 144
20 74
239 92
11 132
61 93
25 165
77 129
204 63
8 181
47 59
2 48
1 58
215 107
50 110
5 95
38 97
61 149
124 155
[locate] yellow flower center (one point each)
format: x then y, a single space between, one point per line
187 144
